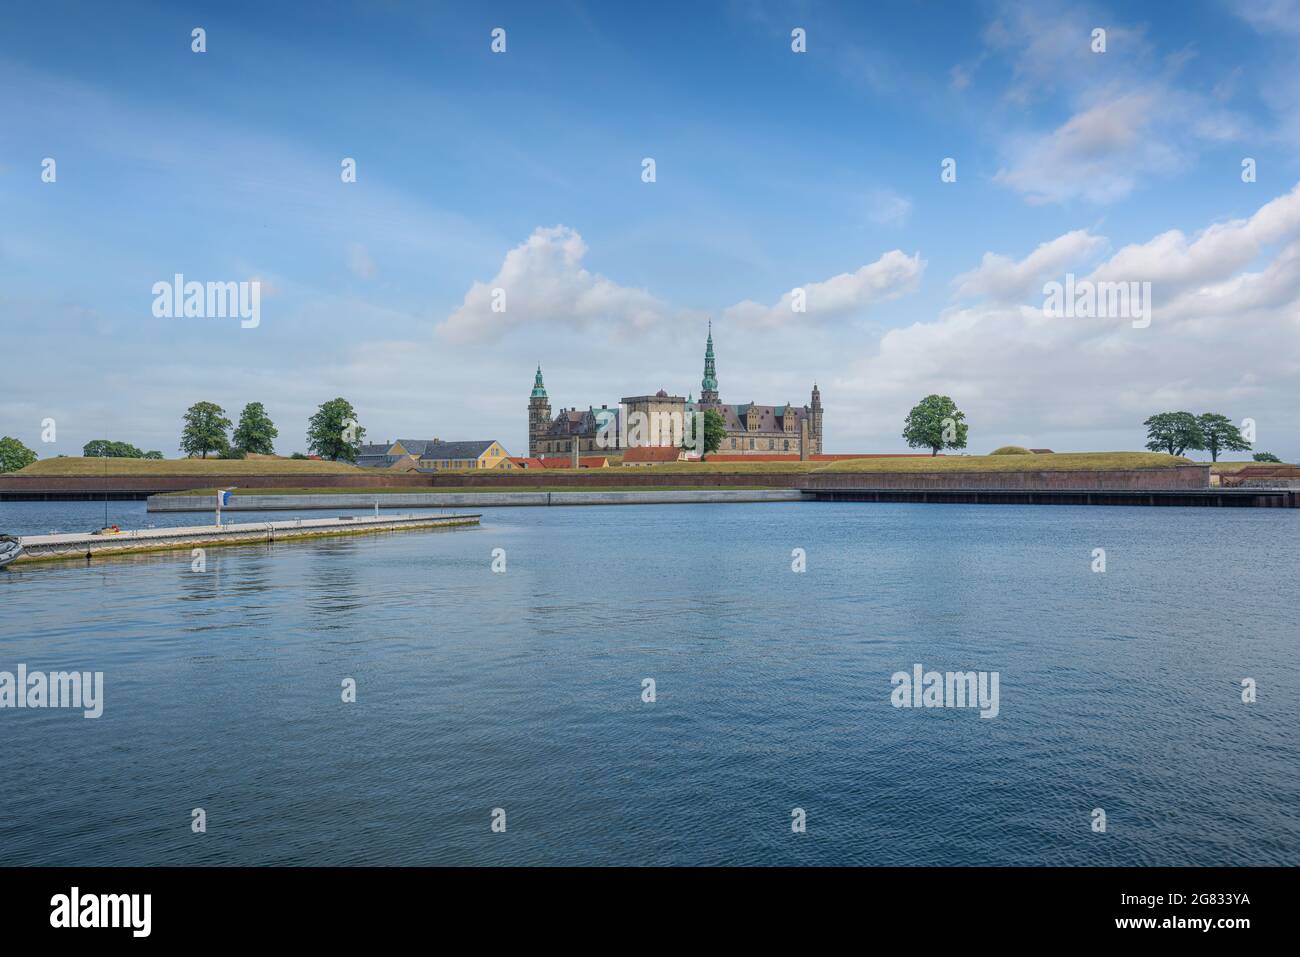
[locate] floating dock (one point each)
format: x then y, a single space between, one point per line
40 548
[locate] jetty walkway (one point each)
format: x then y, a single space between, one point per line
38 548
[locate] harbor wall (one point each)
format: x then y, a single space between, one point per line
1175 478
270 502
141 486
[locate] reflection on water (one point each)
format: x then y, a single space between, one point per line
523 690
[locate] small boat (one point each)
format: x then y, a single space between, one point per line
10 549
107 530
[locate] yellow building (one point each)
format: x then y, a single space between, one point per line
436 455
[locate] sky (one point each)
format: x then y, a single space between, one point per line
774 170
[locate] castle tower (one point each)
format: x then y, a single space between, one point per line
815 413
709 384
539 416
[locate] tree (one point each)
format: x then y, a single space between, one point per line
1173 432
1266 457
936 423
153 454
714 431
333 432
205 429
14 455
1218 434
104 448
256 433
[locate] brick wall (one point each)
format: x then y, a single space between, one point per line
1177 477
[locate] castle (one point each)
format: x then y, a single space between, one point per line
751 429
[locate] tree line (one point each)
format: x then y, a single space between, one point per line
1179 432
333 432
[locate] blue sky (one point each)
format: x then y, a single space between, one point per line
775 170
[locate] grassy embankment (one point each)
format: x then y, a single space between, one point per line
77 466
369 493
1220 468
1056 462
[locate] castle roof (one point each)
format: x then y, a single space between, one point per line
583 421
771 418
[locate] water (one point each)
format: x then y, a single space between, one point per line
522 690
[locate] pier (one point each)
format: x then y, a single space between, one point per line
38 548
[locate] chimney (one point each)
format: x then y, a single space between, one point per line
574 462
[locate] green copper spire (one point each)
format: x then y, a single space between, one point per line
539 390
709 384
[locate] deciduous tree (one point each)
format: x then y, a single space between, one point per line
205 430
256 432
1218 434
334 433
14 455
936 423
1173 432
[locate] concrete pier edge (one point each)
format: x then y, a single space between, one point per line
80 546
258 503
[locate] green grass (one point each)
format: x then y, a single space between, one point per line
1057 462
728 467
95 467
365 496
1229 467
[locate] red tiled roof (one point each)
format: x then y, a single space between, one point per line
565 462
524 462
652 453
819 457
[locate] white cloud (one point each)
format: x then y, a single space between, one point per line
1003 279
1228 342
887 208
1174 262
542 281
1097 154
1269 16
1120 116
839 297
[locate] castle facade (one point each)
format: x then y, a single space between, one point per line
751 429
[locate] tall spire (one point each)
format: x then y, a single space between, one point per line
539 390
709 384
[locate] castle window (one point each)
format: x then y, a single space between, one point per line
787 445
